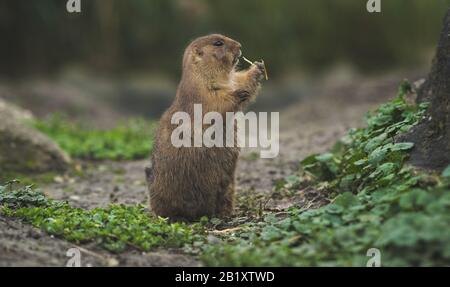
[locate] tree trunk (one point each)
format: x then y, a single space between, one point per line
432 136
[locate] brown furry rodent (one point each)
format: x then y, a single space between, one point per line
186 183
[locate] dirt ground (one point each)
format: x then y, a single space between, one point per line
310 126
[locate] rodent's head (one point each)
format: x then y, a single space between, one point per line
213 55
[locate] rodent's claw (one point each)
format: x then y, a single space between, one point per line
260 65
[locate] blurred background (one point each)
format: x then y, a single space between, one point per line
119 58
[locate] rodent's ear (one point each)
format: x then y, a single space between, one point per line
197 54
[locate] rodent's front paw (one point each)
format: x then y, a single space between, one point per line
260 70
242 95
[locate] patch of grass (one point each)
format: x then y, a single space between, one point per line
378 202
29 179
115 228
369 158
127 141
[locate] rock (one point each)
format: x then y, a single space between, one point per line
74 198
58 179
24 149
10 110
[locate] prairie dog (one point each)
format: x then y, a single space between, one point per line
186 183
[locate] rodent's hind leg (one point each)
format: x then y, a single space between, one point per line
175 218
173 214
225 202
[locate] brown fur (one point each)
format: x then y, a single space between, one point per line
189 182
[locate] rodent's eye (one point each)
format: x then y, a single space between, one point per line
218 43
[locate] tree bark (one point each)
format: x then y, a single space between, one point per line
432 135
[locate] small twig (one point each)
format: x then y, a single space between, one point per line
252 63
219 232
294 239
260 212
247 60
